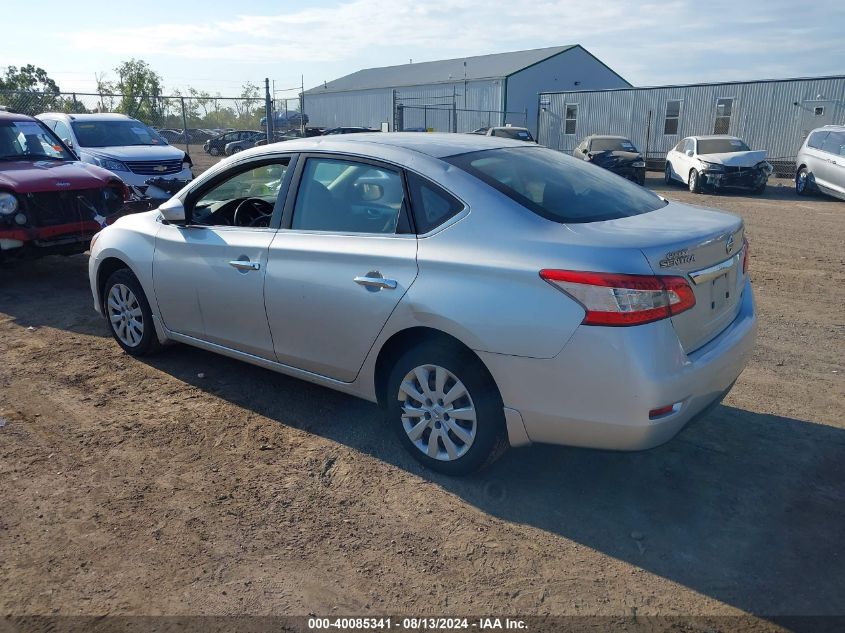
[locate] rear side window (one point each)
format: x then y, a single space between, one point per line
432 205
558 187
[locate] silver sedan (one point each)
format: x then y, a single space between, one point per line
482 291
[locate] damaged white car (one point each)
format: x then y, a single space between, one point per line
717 162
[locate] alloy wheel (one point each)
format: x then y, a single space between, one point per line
438 413
125 315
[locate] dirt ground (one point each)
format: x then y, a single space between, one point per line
194 484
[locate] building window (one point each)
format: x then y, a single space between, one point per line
818 111
723 116
571 119
673 114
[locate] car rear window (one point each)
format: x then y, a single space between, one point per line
612 145
558 187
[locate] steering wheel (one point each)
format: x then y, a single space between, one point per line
251 211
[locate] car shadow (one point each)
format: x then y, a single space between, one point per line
50 292
780 189
746 508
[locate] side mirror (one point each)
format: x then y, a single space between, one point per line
68 142
584 150
689 153
173 210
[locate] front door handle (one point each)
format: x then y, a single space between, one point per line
243 265
376 283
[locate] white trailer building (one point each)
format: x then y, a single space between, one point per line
457 95
773 115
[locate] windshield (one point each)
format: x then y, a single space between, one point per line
514 133
721 146
30 140
114 134
612 145
557 187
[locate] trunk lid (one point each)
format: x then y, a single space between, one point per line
702 245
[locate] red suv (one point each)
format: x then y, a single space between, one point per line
49 201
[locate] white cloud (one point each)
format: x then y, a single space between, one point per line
648 43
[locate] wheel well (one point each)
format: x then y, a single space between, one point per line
106 269
404 340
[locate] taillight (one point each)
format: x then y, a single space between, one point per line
746 247
616 299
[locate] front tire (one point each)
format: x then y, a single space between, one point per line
694 181
667 173
128 313
803 182
214 151
445 407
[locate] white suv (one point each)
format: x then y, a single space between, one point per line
820 164
128 148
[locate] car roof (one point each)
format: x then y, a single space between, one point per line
507 127
14 116
711 137
377 144
98 116
592 136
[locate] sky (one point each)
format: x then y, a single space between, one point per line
217 45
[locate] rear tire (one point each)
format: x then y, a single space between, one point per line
129 315
446 409
694 181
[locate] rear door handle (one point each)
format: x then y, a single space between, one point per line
242 265
376 283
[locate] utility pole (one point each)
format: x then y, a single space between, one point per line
268 110
302 106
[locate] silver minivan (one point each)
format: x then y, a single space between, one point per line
820 164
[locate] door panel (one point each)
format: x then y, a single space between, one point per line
201 294
322 320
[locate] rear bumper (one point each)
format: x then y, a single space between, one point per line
599 390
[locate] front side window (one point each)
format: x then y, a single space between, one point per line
571 119
689 145
673 116
30 140
62 130
115 133
834 143
431 204
558 187
817 139
246 198
348 197
723 116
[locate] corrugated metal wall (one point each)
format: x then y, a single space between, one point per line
369 108
764 113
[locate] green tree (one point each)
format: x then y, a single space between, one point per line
141 88
28 89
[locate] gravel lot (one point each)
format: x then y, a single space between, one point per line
193 484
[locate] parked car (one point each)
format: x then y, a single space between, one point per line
717 162
171 136
50 202
282 119
124 146
615 153
507 131
619 316
244 143
217 145
346 130
820 164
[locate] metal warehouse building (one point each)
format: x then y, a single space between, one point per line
457 95
774 115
